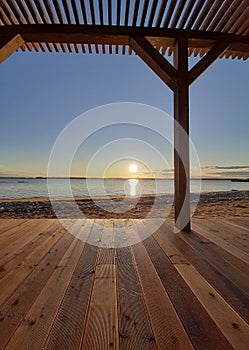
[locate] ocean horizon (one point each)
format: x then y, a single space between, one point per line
25 187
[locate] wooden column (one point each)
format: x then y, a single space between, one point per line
181 138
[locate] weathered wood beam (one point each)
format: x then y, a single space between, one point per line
207 60
164 70
9 46
181 139
98 34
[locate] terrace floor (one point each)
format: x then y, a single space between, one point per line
170 291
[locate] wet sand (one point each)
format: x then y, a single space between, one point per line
215 204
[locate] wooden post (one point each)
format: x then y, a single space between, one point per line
181 138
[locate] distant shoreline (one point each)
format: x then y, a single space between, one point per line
118 178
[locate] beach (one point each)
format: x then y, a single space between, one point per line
215 204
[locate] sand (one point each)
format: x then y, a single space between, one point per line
216 204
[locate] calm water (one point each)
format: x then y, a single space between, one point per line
37 188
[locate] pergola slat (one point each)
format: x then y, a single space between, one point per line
75 12
221 13
235 4
37 20
52 18
241 22
67 11
118 12
127 12
161 13
152 13
83 10
178 13
169 13
194 15
144 12
211 14
236 15
92 10
186 13
203 14
135 12
45 19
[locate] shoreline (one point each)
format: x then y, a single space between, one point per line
210 204
230 194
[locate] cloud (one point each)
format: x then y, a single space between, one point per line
232 167
230 171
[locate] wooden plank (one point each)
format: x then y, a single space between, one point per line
240 222
14 278
101 330
70 320
201 329
228 266
35 326
166 72
223 244
224 286
181 138
13 311
12 235
27 242
234 328
102 325
135 331
228 232
168 330
7 48
7 224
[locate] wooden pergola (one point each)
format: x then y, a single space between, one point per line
153 29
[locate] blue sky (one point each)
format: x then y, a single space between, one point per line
42 93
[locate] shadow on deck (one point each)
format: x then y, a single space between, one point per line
169 291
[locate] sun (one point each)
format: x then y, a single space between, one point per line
133 168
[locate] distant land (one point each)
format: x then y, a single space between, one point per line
122 178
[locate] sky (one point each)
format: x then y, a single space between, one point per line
41 93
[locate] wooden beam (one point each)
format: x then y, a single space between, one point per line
207 60
166 72
69 33
181 139
9 46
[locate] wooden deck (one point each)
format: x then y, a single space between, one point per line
185 291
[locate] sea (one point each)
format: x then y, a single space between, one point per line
16 188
